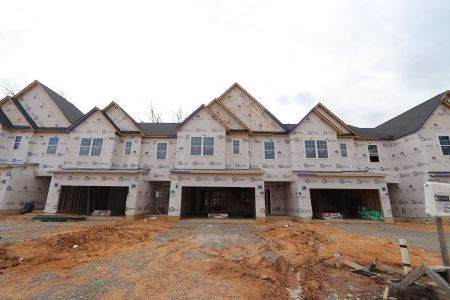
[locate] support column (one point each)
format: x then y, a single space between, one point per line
260 204
302 198
174 213
385 202
51 205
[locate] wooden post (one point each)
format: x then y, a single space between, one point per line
443 244
405 256
337 256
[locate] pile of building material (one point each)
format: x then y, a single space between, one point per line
217 216
332 216
373 215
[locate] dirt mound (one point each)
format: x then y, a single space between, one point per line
269 276
7 261
67 249
94 239
308 251
302 246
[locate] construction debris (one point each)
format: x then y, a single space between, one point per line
431 272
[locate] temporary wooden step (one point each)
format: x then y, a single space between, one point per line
58 218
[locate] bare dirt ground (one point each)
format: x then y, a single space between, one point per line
121 259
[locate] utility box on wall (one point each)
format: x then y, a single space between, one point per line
437 199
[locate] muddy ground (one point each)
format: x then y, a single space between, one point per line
119 259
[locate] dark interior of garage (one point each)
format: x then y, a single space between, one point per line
234 201
86 199
348 202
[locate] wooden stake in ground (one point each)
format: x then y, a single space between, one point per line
443 245
337 256
405 256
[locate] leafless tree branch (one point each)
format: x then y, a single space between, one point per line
9 87
152 114
178 115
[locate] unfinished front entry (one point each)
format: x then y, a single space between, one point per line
233 202
350 203
87 199
186 191
322 192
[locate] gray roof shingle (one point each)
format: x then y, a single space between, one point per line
411 120
290 126
4 120
71 112
406 123
159 129
371 133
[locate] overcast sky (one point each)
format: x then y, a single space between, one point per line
365 60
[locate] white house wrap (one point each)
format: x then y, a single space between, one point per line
231 156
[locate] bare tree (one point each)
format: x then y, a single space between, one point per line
178 115
152 114
9 87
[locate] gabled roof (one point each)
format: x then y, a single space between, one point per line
406 123
203 107
24 113
113 103
70 111
21 110
330 120
256 101
91 112
239 121
339 121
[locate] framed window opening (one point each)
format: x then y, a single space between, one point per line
161 151
17 141
310 149
343 148
269 150
236 147
91 146
444 142
202 146
373 153
322 149
52 145
316 149
128 146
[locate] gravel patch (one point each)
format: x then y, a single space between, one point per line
43 277
91 289
129 272
422 239
24 230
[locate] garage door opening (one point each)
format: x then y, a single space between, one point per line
201 201
86 199
348 202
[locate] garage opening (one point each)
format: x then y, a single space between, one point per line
86 199
234 201
348 202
